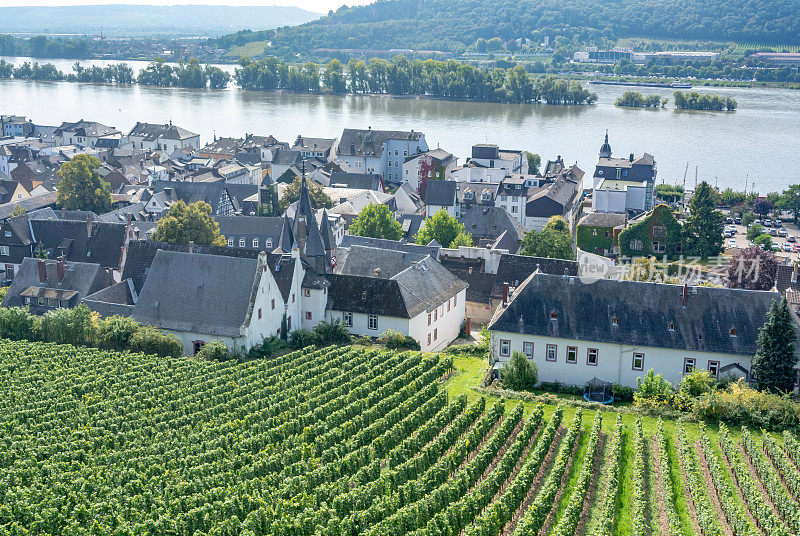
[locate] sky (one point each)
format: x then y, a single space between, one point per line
319 6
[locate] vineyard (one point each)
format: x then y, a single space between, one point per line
356 441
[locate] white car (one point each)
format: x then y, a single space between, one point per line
783 231
732 243
787 247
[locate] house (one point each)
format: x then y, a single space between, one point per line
433 164
487 224
11 190
472 194
254 232
225 199
408 200
489 163
166 137
421 251
221 149
441 195
314 147
557 198
623 184
656 233
379 151
423 301
363 181
282 161
479 306
15 126
43 285
597 232
576 329
16 240
84 133
200 298
410 224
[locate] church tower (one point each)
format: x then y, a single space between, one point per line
605 150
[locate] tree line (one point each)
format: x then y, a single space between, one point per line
703 101
189 74
634 99
722 69
402 76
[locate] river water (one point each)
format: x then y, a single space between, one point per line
759 144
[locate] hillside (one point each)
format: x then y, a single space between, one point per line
143 20
449 25
355 441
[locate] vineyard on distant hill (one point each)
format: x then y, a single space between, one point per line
355 441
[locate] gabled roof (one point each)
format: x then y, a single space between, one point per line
82 241
86 129
603 219
489 223
350 240
155 131
441 193
29 204
80 279
583 310
251 226
552 199
515 269
191 292
366 181
313 144
375 262
358 142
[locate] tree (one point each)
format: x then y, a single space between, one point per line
519 373
703 228
748 217
763 206
752 269
790 200
333 77
553 241
764 240
375 221
534 161
443 228
269 205
754 231
774 362
189 223
81 186
319 199
19 210
217 78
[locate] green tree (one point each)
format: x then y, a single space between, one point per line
81 187
775 359
375 221
191 74
443 228
754 231
764 240
534 161
217 78
703 228
270 205
334 77
319 199
790 200
553 241
189 223
519 374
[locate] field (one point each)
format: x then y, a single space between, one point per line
356 441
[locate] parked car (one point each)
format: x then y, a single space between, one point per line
783 232
773 232
756 222
728 220
737 221
767 222
791 238
776 247
786 247
731 243
795 248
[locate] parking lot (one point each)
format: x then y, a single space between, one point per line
785 239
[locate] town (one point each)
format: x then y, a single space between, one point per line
245 239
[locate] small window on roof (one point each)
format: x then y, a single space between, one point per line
734 332
614 321
671 326
553 315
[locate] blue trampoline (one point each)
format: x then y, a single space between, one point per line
596 390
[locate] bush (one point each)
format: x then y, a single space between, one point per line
300 338
394 340
653 391
16 323
519 373
332 332
214 351
622 393
740 404
563 388
268 348
472 350
155 342
697 383
115 332
68 326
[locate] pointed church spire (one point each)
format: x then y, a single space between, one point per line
605 150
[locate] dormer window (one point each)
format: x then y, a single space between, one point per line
614 321
671 326
734 332
553 316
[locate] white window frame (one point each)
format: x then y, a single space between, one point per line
639 356
347 320
527 349
372 322
592 352
574 351
551 353
505 348
689 361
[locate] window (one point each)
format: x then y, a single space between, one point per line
638 361
594 232
514 209
292 297
242 242
8 234
553 315
255 242
713 368
347 318
197 346
273 304
40 302
734 332
636 245
435 334
527 349
572 354
307 292
308 315
372 322
259 313
268 243
688 365
505 348
591 357
436 314
230 242
551 352
659 247
671 326
429 339
454 300
448 306
4 251
614 321
429 319
659 230
289 324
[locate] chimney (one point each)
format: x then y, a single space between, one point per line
505 293
191 246
631 157
88 226
685 295
469 269
42 271
377 272
60 269
794 273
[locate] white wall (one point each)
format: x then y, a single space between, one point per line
614 363
477 174
609 201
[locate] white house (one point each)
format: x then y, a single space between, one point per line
623 184
576 328
379 151
424 301
84 133
166 137
491 156
441 195
433 164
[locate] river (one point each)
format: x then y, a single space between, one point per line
759 144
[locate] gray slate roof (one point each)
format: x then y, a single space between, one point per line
116 299
365 181
154 131
375 262
358 142
490 222
395 245
208 294
82 277
79 241
441 193
603 219
584 309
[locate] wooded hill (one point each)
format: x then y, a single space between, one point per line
453 25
